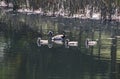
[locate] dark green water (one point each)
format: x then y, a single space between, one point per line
20 58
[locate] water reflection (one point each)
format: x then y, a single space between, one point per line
24 60
2 47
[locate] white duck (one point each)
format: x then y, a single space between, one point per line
69 43
43 42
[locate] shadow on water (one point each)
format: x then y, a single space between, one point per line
21 58
24 60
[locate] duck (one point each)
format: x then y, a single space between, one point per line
69 43
89 42
58 39
41 42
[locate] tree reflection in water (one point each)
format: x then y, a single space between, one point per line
24 60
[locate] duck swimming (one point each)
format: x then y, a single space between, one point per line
57 39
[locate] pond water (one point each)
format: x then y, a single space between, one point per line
21 58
